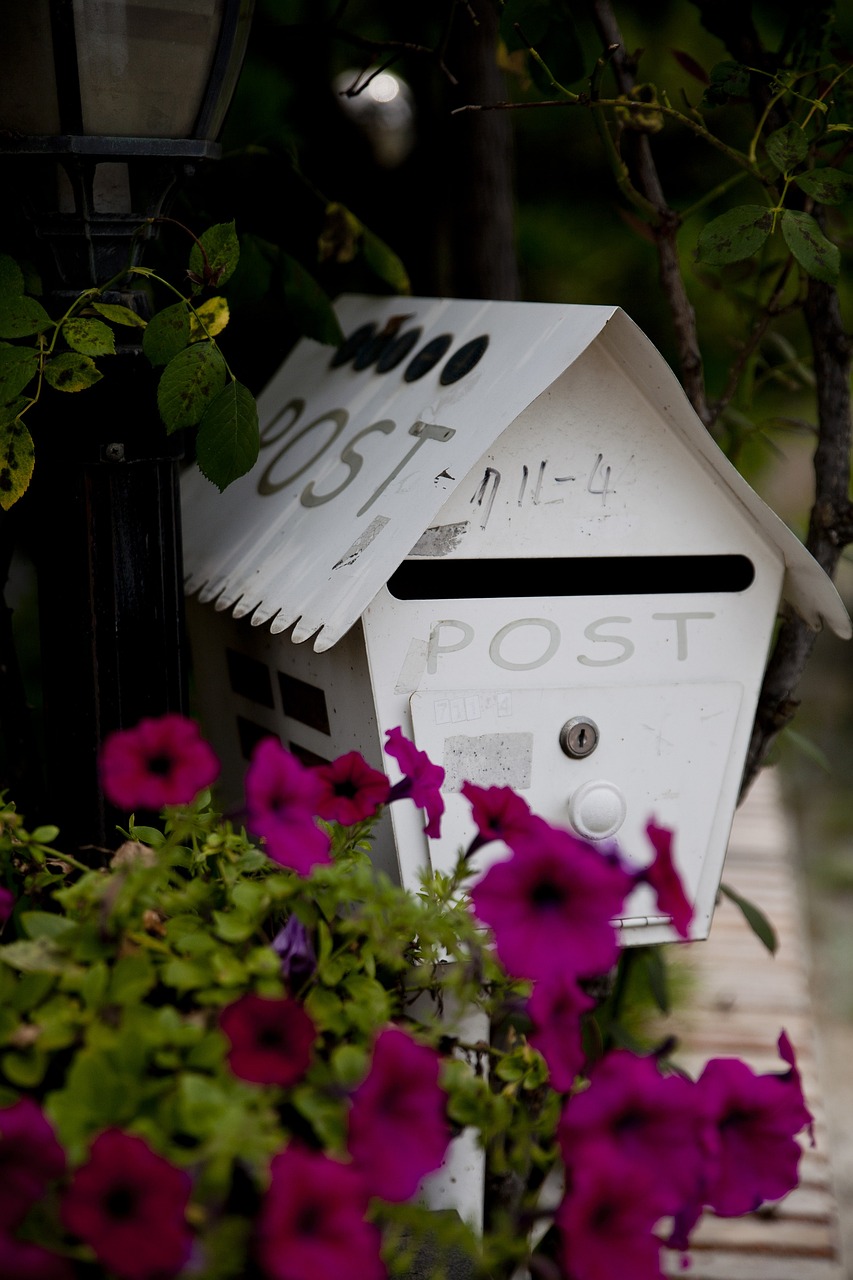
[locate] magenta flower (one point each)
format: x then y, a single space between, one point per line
652 1121
30 1158
298 958
129 1205
550 906
352 790
282 798
7 904
499 813
271 1039
756 1119
606 1221
24 1261
665 881
312 1223
422 783
556 1008
398 1130
158 762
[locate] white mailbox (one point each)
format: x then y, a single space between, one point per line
502 527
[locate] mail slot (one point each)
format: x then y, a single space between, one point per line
502 527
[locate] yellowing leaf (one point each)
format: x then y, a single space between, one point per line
119 315
340 235
91 337
71 372
17 459
209 318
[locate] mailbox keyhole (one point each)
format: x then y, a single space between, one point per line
579 737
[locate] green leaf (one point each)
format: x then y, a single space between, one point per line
233 926
24 1068
119 315
20 317
190 381
308 305
384 262
727 80
18 366
228 437
45 924
91 337
71 372
734 235
787 147
132 978
222 249
167 333
755 918
808 749
657 978
39 955
11 276
45 834
815 254
17 460
325 1115
827 186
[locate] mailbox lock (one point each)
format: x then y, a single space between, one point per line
597 810
579 737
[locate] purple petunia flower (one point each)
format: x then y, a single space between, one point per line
129 1205
422 781
665 881
556 1008
282 798
30 1158
352 790
298 958
158 762
312 1222
7 904
499 813
550 906
756 1119
398 1129
607 1218
652 1121
271 1039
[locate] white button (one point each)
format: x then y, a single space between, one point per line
597 810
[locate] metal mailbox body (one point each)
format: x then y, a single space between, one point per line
496 524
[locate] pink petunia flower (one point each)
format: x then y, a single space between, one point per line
607 1218
271 1039
756 1119
129 1205
422 781
653 1121
158 762
398 1130
7 904
282 798
499 813
666 882
312 1222
30 1158
556 1008
24 1261
550 906
352 790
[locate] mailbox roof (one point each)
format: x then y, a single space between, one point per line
356 464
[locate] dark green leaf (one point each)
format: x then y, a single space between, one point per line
71 372
384 262
21 317
11 276
787 147
657 978
17 460
9 412
734 235
827 186
91 337
119 315
728 80
308 305
815 254
532 16
18 365
228 438
190 381
756 919
222 251
167 333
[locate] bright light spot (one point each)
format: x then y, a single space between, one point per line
383 88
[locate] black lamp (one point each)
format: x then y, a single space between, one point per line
104 106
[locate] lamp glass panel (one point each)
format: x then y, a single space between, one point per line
28 102
144 66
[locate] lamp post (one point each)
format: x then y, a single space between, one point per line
105 105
